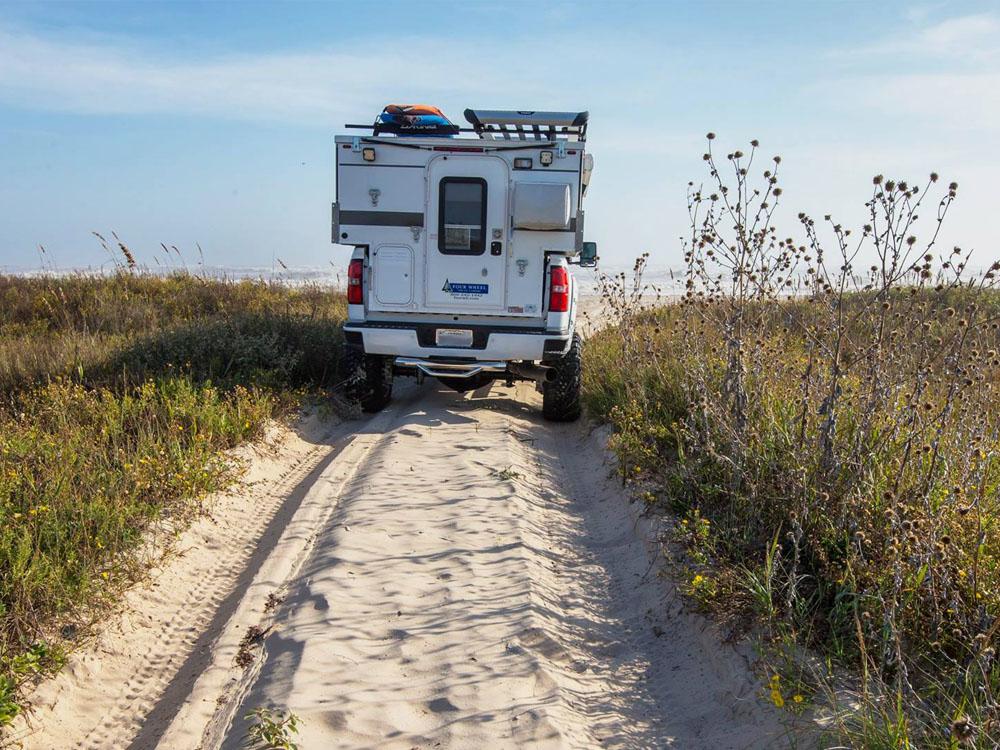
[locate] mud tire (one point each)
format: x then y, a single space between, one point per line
561 396
368 379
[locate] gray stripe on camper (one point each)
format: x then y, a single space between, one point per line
382 218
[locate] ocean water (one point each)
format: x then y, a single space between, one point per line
667 281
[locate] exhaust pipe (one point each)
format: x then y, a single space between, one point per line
529 371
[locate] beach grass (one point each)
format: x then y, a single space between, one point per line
120 396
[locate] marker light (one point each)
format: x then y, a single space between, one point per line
368 154
545 158
522 163
355 272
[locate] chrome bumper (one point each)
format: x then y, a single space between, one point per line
436 369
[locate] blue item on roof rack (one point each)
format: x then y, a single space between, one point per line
414 119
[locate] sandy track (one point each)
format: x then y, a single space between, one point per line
480 583
453 572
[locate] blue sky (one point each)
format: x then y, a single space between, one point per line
212 123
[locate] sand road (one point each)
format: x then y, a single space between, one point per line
457 573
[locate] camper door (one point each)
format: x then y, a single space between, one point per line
466 242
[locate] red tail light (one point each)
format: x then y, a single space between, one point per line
355 291
558 289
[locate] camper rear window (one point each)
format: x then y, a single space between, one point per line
462 224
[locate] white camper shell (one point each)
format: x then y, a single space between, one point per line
462 251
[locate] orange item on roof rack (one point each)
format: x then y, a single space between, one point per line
413 109
409 119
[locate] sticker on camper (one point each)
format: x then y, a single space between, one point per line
460 290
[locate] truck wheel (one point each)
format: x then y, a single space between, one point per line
368 379
561 396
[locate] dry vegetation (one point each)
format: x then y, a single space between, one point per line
823 416
119 396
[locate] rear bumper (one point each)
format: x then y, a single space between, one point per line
489 343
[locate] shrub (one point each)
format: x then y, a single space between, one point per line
120 396
830 405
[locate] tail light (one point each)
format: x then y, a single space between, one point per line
558 289
355 291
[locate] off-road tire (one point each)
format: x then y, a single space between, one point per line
561 396
368 379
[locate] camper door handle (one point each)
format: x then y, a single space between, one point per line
496 248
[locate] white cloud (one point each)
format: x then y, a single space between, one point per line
965 39
118 77
946 73
968 102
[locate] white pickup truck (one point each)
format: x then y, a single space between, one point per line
463 247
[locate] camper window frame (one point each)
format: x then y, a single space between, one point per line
474 249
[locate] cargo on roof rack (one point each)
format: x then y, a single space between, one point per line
413 119
521 124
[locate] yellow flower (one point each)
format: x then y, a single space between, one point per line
105 575
797 698
776 698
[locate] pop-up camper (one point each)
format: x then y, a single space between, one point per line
463 242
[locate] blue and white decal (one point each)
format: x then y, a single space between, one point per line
460 290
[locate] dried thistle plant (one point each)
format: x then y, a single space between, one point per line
834 389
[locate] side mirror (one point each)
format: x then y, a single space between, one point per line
588 255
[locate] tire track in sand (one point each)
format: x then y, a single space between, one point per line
481 583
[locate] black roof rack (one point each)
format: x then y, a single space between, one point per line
522 125
516 125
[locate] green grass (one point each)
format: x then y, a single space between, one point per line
120 396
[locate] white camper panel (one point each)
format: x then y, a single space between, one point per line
392 274
465 252
381 205
526 279
393 207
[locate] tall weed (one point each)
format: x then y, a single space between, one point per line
830 405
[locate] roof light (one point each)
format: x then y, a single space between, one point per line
545 158
368 154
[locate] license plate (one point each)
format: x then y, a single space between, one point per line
461 337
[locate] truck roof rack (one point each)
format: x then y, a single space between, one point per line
522 125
